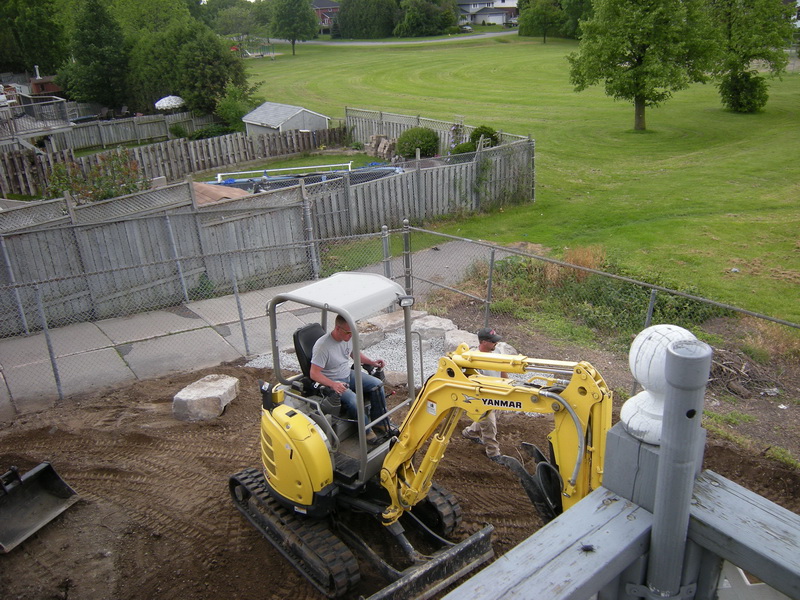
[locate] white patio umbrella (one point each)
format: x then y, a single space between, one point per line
169 102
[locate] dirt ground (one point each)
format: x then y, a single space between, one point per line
155 519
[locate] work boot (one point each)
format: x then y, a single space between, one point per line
471 438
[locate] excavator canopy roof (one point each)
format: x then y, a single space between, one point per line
358 294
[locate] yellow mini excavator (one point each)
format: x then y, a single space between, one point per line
328 500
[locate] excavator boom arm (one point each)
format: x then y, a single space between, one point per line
574 393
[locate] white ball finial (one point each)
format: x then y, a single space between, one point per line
642 414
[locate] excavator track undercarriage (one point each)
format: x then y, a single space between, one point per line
307 543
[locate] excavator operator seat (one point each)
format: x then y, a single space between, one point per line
304 340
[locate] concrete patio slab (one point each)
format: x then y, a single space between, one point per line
143 326
33 386
80 337
184 351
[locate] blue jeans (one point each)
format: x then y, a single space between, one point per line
373 393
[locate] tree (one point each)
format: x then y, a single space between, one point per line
188 60
150 16
236 20
236 103
366 19
100 58
425 17
751 31
30 36
644 50
293 20
575 11
541 17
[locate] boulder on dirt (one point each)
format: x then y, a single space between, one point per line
453 339
205 399
430 327
390 322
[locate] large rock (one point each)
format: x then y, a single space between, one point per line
205 399
393 321
430 327
453 339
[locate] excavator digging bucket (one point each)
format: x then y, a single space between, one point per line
29 502
445 568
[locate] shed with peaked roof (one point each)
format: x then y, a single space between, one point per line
273 117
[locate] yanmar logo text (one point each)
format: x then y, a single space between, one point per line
495 402
502 403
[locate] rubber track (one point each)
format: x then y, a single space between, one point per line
447 508
308 544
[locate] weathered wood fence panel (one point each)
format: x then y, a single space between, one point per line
29 173
111 133
153 248
362 124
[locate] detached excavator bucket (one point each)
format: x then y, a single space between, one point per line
425 580
29 502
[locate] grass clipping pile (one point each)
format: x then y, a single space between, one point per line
155 518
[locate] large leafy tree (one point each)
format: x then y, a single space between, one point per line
188 60
30 35
540 18
293 20
366 19
99 58
236 20
149 16
754 36
236 103
575 11
644 50
425 17
211 9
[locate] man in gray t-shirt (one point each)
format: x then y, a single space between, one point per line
330 366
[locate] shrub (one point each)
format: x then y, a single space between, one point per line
488 134
418 137
210 131
463 148
178 131
743 92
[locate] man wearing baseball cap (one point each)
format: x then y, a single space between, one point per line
485 432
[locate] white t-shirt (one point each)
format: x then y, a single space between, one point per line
332 357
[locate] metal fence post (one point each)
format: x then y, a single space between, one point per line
235 285
648 320
174 248
12 280
489 290
50 351
387 257
348 202
418 185
688 364
313 251
407 271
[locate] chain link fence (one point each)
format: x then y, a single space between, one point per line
224 319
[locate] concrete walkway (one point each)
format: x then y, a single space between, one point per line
102 355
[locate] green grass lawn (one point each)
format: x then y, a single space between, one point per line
703 192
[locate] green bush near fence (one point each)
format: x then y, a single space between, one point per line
417 137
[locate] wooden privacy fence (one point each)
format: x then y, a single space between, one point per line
28 173
116 132
152 249
363 124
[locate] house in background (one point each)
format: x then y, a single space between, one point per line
273 117
326 12
487 12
